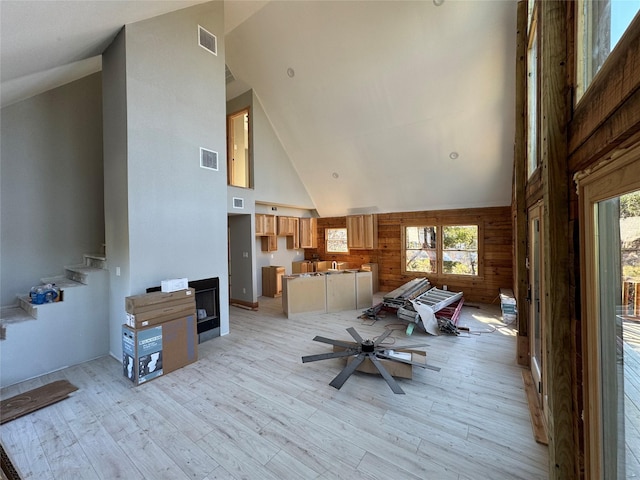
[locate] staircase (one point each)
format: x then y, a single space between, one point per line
39 339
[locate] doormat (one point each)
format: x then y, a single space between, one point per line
35 399
8 470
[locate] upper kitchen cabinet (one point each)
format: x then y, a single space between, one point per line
362 232
265 224
308 233
287 226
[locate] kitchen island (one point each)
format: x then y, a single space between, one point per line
331 291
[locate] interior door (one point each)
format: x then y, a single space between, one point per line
610 213
536 297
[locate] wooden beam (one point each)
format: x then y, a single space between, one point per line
555 102
519 204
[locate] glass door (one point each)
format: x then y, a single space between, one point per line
612 349
536 306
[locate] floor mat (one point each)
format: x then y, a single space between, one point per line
35 399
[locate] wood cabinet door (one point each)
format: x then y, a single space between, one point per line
308 233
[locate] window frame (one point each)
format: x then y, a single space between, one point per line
532 107
440 226
230 149
346 241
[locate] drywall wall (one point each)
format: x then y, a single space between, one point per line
175 104
51 184
116 198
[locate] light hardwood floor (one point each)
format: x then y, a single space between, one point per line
250 409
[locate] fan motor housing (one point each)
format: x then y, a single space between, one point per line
368 346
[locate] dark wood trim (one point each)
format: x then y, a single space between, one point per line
555 112
613 86
243 304
519 206
614 130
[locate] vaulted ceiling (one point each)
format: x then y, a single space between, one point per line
380 105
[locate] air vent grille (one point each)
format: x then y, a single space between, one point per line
238 202
208 159
207 40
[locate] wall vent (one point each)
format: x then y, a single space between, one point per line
207 40
238 202
208 159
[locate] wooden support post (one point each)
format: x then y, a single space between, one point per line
519 201
555 102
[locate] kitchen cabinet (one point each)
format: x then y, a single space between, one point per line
302 295
287 226
308 233
269 243
304 266
362 232
290 227
272 281
265 224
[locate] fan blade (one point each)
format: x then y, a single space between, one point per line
356 336
337 343
325 356
381 338
347 371
399 348
408 362
386 375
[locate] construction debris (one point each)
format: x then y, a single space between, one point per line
430 308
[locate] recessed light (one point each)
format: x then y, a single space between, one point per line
453 155
291 72
335 175
437 3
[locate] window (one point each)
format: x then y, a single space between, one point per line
441 249
239 150
532 96
460 250
420 249
336 240
601 24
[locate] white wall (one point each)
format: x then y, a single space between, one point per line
51 184
175 104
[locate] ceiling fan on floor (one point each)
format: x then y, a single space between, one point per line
373 350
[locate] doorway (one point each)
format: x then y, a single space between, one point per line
536 303
610 215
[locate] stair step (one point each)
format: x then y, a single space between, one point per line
61 281
13 314
24 302
96 260
78 273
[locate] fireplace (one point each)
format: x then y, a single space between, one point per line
207 307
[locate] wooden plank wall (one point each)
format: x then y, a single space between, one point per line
496 226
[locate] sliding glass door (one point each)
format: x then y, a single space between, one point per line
611 264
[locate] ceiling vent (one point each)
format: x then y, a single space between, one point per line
207 40
208 159
228 75
238 202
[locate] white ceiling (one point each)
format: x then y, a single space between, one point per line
383 92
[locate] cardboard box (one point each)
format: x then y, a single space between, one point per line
174 284
160 315
395 369
148 353
150 301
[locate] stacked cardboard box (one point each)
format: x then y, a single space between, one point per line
160 334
